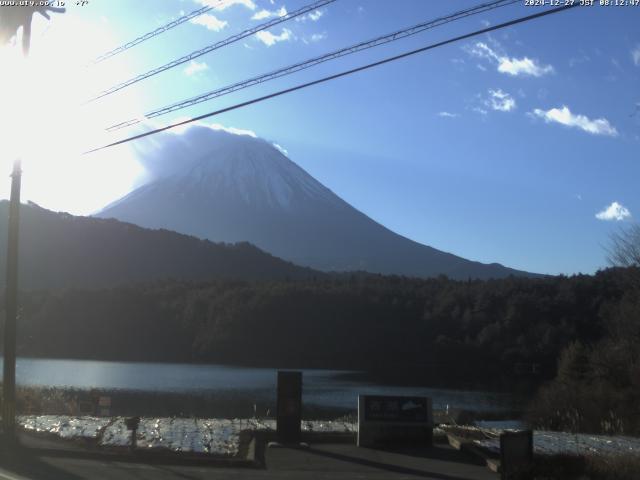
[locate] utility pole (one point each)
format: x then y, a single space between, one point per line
11 308
11 19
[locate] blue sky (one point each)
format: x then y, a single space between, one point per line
519 147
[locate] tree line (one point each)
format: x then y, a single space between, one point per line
431 330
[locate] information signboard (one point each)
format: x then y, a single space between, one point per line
396 409
392 419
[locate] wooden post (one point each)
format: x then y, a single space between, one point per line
11 308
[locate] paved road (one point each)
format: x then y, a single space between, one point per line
323 461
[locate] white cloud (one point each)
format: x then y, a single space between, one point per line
264 14
635 55
501 101
315 16
312 16
282 149
599 126
510 66
448 114
482 50
224 4
261 15
525 66
316 37
582 58
195 67
269 39
210 21
615 211
235 131
616 64
480 110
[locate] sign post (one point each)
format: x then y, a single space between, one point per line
516 455
289 407
12 18
11 309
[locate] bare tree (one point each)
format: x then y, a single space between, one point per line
625 247
624 251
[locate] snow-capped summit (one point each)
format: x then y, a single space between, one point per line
231 187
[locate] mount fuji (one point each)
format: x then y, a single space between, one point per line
226 186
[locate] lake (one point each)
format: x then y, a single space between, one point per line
324 388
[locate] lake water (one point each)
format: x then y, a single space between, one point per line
326 388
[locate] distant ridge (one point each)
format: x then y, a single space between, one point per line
59 250
228 187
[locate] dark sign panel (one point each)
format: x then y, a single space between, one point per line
289 406
516 454
396 409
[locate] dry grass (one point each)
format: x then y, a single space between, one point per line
205 404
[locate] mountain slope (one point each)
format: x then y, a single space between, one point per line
58 250
226 187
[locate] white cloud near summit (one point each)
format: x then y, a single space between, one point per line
233 130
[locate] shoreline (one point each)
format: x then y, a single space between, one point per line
393 375
74 401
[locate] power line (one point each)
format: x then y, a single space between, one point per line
338 75
210 48
381 40
154 33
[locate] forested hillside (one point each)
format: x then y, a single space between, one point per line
58 251
436 328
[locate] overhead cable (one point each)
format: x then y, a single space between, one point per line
358 47
154 33
339 75
215 46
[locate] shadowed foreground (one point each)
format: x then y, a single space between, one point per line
335 461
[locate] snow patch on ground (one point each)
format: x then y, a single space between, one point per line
500 424
214 436
219 436
552 443
65 427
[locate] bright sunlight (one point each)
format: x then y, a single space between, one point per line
44 121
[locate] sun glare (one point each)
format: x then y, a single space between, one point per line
43 120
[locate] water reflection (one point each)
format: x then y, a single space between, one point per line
327 388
